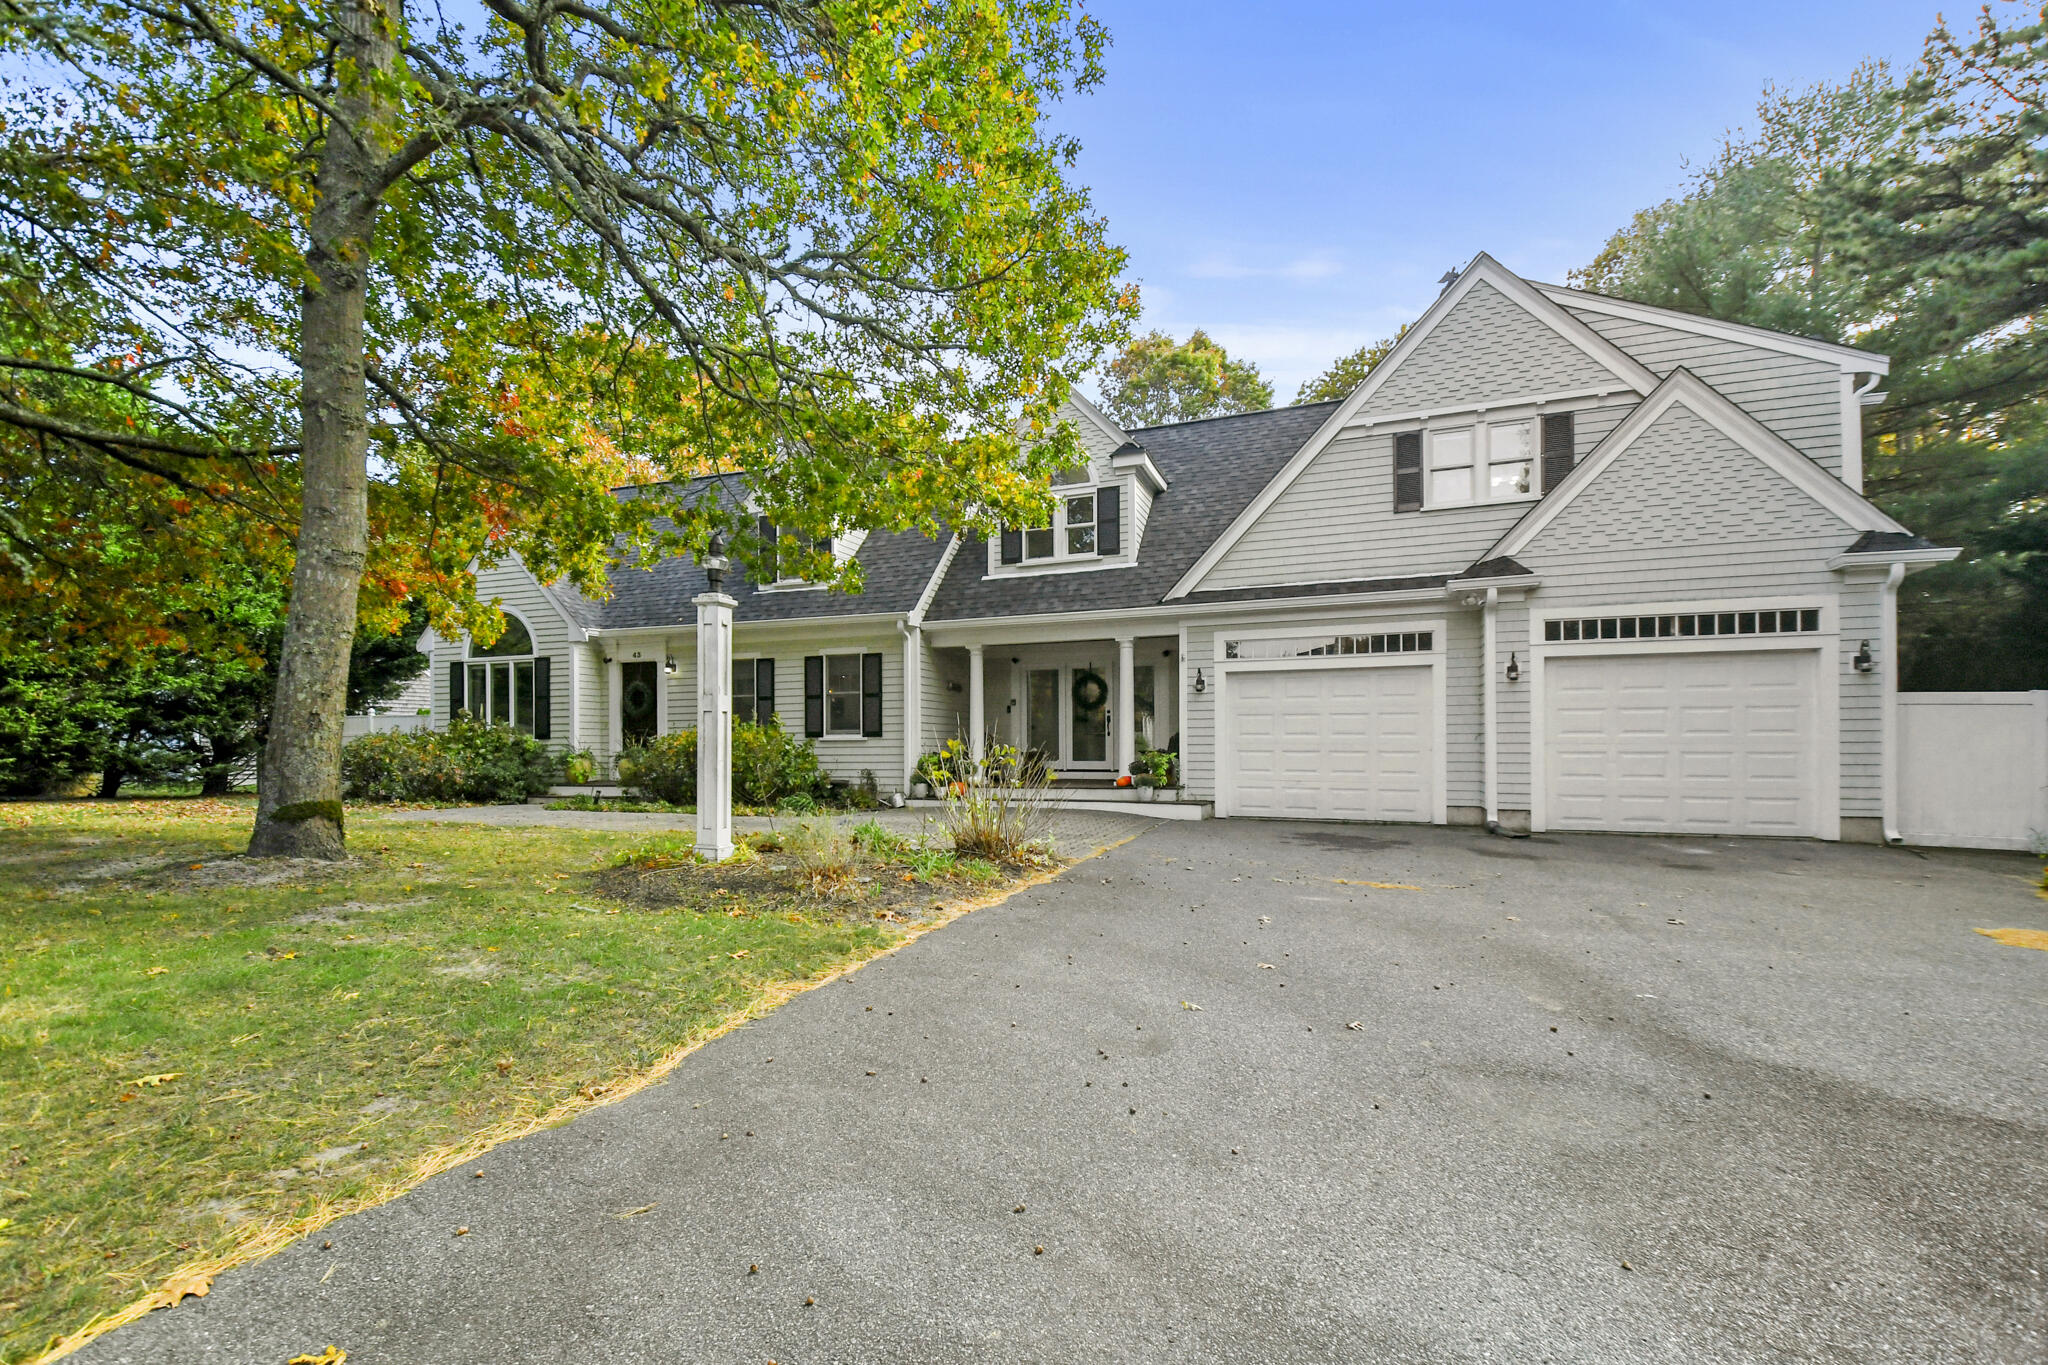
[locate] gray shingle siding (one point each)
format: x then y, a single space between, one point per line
1799 399
1487 348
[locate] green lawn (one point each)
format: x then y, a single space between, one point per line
201 1056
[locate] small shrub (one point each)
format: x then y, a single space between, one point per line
468 761
769 765
662 769
800 803
579 768
865 794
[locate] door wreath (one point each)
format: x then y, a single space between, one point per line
1090 691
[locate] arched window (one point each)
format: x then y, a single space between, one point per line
501 689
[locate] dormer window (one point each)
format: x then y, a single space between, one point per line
1086 524
785 550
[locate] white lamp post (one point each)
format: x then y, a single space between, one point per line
714 709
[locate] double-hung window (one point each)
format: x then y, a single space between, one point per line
1070 534
842 694
1483 462
1086 523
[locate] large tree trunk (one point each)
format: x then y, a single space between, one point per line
298 800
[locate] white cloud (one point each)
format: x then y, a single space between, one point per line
1219 266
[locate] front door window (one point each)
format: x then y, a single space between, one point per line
1042 713
637 713
1088 694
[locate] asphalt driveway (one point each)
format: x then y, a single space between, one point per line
1270 1092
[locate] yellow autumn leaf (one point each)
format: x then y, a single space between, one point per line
158 1079
2019 938
156 971
192 1284
333 1355
744 952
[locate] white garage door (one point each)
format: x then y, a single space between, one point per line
1691 743
1332 743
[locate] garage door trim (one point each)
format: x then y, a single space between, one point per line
1826 645
1432 659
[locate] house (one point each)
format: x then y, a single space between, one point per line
1561 562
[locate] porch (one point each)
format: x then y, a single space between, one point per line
1085 707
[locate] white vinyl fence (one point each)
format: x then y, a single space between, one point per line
352 726
1973 768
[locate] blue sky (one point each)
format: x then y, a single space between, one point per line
1294 177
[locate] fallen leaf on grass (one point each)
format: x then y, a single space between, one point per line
635 1213
189 1284
744 952
333 1355
156 971
158 1079
2019 938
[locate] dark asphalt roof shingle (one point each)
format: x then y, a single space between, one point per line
897 567
1880 542
1331 589
1213 469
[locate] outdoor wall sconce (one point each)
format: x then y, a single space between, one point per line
1201 684
668 665
1863 662
1514 668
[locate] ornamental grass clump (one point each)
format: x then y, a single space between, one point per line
1003 809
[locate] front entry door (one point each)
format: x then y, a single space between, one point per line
637 707
1066 716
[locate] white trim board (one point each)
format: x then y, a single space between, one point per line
1699 398
1630 374
1849 358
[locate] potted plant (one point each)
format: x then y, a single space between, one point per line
1161 763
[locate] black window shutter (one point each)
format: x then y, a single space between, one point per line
543 703
455 676
1558 448
1013 546
871 696
1407 471
764 689
1109 520
814 696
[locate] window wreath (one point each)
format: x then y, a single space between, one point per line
1090 691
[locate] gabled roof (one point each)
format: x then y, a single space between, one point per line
1212 468
898 567
1629 375
1683 386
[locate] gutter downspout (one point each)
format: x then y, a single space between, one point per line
1889 704
1491 709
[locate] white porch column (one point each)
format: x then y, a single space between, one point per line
977 723
714 725
614 676
1126 703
